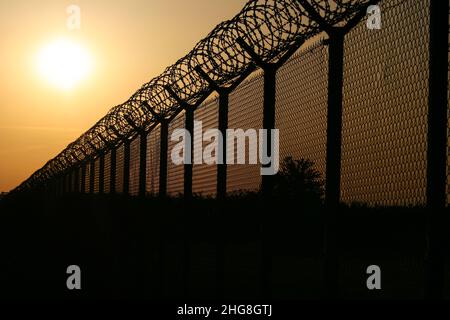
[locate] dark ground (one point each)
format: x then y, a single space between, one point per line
168 249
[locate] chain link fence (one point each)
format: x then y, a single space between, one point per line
384 120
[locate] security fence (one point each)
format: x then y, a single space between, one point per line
354 100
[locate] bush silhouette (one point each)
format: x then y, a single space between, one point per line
299 180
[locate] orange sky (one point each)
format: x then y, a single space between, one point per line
130 41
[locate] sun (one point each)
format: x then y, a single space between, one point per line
64 63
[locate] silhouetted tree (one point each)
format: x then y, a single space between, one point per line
298 179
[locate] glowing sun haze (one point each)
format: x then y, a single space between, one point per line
64 63
55 83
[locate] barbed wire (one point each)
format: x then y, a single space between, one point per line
270 27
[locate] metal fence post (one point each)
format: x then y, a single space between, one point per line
164 134
333 159
101 173
77 179
270 73
92 176
437 147
189 126
126 166
142 163
83 177
113 165
223 126
223 92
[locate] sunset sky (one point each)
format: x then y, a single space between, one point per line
128 43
